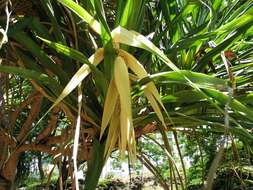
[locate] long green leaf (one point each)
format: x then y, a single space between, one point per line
237 106
67 51
41 55
49 9
29 74
83 14
183 77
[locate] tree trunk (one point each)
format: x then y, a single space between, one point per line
62 180
5 184
42 175
9 170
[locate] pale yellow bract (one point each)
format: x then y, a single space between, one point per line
118 105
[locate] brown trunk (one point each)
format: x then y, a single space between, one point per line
39 156
62 180
8 173
4 184
6 176
9 169
4 153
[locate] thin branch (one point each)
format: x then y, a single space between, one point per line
15 114
51 125
170 159
30 119
180 156
65 136
153 170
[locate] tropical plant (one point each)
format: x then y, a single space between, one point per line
138 66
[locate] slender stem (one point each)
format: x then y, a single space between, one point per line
180 156
170 159
153 170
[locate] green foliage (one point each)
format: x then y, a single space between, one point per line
201 150
155 154
33 182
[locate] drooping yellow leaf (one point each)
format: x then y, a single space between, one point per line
112 142
152 88
140 71
122 35
109 106
123 86
154 105
83 72
131 38
133 77
124 131
95 59
113 133
133 64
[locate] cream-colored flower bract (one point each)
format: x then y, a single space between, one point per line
117 114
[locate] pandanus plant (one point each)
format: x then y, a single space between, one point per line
117 114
